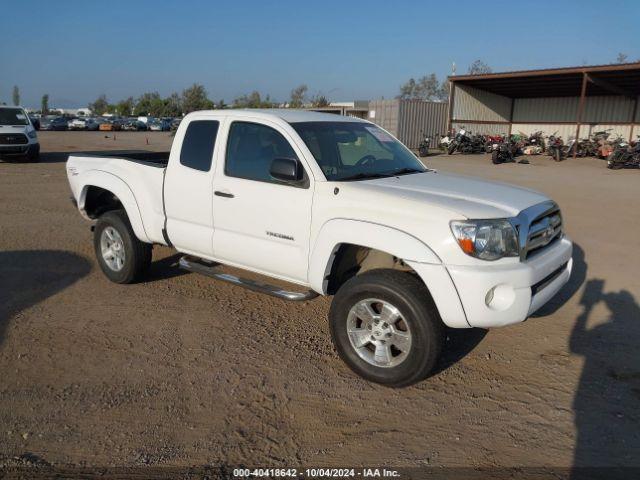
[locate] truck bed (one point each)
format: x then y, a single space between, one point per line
152 159
133 176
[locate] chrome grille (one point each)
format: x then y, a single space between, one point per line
538 228
543 231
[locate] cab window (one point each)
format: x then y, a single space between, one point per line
251 149
198 143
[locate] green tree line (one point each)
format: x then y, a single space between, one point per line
196 98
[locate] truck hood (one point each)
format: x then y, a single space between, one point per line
14 129
467 196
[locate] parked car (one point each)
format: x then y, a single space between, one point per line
92 124
160 125
134 125
77 124
337 206
54 123
35 121
175 123
109 125
18 136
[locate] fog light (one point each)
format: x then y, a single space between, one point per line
489 297
500 297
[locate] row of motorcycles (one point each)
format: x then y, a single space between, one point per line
504 148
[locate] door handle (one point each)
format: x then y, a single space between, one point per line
223 194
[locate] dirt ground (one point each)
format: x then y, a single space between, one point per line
182 370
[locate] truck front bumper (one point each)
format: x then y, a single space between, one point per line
20 150
502 295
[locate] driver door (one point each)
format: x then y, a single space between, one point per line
261 224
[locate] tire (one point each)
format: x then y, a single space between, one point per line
33 156
136 256
495 159
386 290
451 148
423 151
557 156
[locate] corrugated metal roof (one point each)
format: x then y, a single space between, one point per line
551 71
620 79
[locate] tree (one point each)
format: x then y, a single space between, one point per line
297 96
253 100
100 105
319 101
149 103
443 91
172 106
478 68
195 98
622 58
425 88
220 105
44 104
16 95
125 107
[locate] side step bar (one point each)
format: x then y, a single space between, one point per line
196 265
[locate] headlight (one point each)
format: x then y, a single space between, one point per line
32 134
486 239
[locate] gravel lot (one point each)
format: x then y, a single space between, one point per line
183 370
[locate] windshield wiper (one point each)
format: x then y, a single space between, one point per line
363 176
405 171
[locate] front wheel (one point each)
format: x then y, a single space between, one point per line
451 148
33 155
386 327
495 157
423 151
557 155
122 257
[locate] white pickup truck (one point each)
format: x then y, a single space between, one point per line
335 206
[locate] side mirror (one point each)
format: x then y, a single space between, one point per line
287 170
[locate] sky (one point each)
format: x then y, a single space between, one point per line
346 50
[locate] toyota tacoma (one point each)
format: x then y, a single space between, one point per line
332 206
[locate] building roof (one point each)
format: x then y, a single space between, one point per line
618 79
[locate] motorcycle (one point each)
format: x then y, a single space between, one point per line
423 148
534 144
558 149
491 140
444 141
458 141
555 147
463 142
503 152
625 156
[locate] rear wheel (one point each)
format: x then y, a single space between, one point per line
122 257
386 327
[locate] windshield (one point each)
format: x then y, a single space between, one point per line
13 116
355 150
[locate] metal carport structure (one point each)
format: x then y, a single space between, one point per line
567 99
